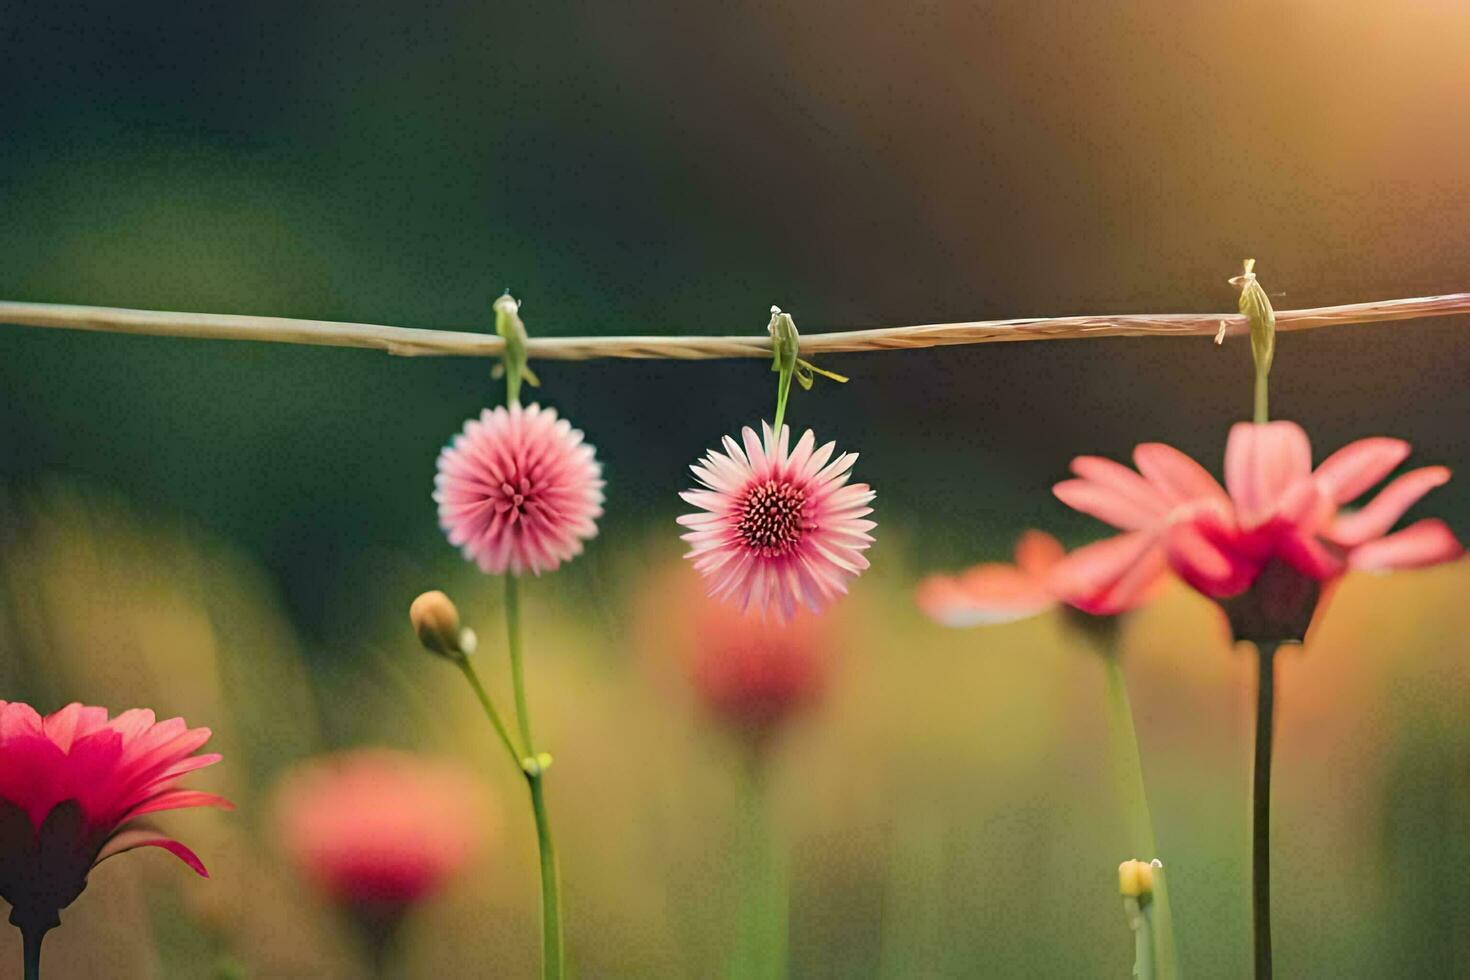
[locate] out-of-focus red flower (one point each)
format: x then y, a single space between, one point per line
1280 531
997 592
73 786
755 675
379 830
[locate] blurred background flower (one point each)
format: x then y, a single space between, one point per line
378 832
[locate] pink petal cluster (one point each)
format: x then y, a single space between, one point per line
778 527
380 830
1273 508
756 674
72 786
518 490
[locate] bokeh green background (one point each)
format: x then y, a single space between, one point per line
673 168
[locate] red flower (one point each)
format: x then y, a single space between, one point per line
755 675
72 787
378 830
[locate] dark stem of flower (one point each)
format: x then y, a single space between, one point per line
31 937
1261 809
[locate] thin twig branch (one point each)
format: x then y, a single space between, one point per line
413 342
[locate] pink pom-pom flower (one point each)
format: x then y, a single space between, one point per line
73 786
519 490
778 527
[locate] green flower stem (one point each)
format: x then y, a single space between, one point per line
1261 810
761 943
552 954
534 769
468 668
1140 920
783 391
1262 414
1128 766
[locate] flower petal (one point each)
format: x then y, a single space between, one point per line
1203 556
1423 543
985 594
1037 552
1106 504
1174 475
1262 462
1349 472
1110 576
134 837
1384 510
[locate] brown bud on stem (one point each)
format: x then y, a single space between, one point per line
436 621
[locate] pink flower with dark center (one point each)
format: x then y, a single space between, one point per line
998 592
778 527
518 490
1284 510
73 786
1279 516
377 830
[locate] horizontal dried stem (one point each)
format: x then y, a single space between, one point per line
413 342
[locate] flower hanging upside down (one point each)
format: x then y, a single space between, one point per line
1276 526
778 527
519 490
72 787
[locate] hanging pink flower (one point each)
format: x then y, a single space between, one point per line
998 592
778 527
378 831
73 786
1283 509
518 490
1281 522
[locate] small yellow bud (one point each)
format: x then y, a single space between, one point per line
1135 879
436 621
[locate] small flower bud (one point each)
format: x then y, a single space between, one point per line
436 621
1255 306
1135 879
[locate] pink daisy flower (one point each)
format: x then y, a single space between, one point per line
72 787
518 490
778 527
